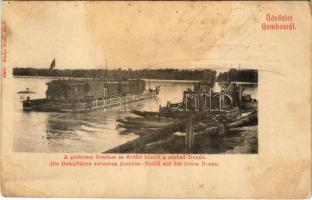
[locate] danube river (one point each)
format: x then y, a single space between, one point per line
91 132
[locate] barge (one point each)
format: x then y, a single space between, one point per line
88 95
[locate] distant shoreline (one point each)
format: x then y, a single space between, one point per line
163 75
119 74
152 80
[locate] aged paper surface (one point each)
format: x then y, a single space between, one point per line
62 135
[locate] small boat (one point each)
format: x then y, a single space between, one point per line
136 120
139 132
27 91
161 114
150 124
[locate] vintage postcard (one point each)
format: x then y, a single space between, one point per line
143 99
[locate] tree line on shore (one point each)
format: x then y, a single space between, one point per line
120 74
246 75
125 74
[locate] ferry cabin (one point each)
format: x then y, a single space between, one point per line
67 90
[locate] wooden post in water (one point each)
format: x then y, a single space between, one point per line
220 101
210 98
189 136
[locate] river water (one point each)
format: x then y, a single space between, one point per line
91 132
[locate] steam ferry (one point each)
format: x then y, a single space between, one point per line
74 95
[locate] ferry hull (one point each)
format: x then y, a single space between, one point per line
44 105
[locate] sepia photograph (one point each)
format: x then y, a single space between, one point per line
203 111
